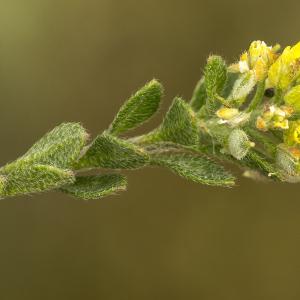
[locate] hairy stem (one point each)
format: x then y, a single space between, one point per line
258 97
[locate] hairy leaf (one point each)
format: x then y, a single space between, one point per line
215 79
194 166
179 125
2 185
256 161
138 109
96 187
107 151
60 147
199 95
35 178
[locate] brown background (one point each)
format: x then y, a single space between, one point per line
165 238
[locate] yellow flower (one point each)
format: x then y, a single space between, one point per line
292 135
286 68
292 98
258 58
261 124
274 117
281 124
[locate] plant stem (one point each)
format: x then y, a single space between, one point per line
278 96
268 144
259 95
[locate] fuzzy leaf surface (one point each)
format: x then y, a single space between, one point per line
35 178
138 109
110 152
215 80
60 147
199 95
96 187
256 161
179 125
193 166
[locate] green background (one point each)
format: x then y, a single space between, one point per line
165 238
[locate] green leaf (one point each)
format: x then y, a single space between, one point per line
199 95
179 125
193 166
2 185
256 161
60 147
231 79
215 80
35 178
107 151
263 139
96 187
138 109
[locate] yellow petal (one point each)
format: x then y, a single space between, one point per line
286 68
292 135
227 113
292 97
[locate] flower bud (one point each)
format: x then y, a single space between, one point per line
232 116
258 59
239 144
287 159
261 58
274 117
227 113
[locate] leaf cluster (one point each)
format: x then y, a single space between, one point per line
59 160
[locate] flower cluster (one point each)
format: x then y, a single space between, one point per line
271 116
257 60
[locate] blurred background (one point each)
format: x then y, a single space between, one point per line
165 238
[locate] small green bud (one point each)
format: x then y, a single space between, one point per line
239 144
287 159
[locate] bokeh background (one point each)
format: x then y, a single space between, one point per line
164 238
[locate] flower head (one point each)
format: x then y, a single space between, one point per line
292 135
257 59
274 117
286 68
